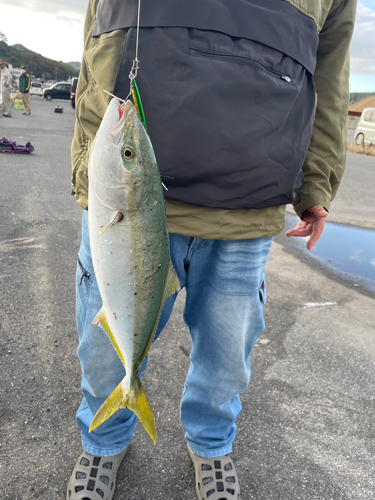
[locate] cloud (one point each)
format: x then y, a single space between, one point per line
362 49
70 20
50 6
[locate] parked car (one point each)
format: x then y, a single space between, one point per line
61 90
73 92
36 89
365 131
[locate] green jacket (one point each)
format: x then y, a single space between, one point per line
25 82
326 157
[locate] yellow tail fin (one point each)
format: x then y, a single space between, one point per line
134 398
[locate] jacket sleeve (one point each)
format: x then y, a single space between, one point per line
81 138
100 61
326 157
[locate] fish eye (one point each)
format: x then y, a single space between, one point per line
128 153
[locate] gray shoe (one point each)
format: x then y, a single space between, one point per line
94 478
215 478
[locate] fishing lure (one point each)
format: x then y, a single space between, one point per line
138 102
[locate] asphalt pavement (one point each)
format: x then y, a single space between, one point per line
307 427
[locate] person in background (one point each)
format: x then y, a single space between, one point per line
5 86
25 82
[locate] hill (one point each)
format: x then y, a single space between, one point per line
76 64
20 47
39 66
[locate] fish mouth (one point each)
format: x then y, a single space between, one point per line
123 113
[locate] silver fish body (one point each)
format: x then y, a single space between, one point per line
130 250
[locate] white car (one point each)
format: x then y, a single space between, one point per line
36 89
365 131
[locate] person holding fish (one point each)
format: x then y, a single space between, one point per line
186 189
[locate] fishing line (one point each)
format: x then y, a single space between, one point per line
134 92
134 72
133 85
115 96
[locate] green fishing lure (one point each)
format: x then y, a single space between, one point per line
138 102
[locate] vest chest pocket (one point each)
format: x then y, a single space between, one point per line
241 60
222 47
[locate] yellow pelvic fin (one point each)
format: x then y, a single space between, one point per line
134 398
117 218
101 320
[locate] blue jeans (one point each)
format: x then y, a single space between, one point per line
225 292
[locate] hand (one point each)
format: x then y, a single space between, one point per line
312 224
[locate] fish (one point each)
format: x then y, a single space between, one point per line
130 250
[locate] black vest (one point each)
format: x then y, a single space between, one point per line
228 93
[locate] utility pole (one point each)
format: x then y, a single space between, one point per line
56 74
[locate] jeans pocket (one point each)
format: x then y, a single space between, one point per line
263 292
83 273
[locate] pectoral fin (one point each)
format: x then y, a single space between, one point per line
117 218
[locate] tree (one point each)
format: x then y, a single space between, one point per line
3 38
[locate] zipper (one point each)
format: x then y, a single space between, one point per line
241 60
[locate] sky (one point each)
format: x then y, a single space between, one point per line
54 28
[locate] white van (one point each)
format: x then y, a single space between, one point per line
365 131
36 89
